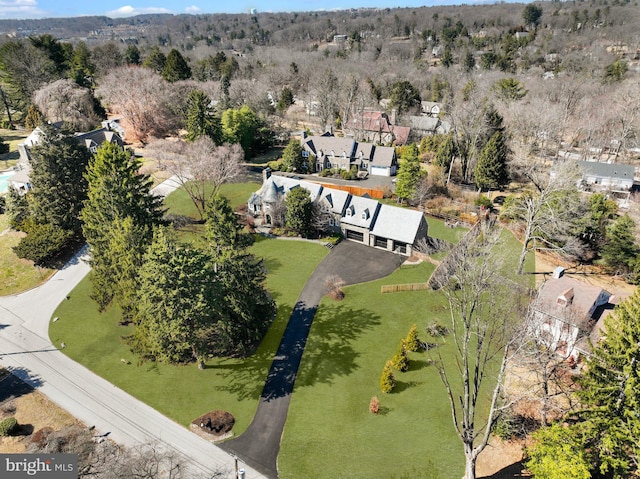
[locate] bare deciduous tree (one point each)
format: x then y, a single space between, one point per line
141 98
201 167
546 216
482 306
65 100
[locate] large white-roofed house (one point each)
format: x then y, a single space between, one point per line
360 219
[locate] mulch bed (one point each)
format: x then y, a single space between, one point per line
214 425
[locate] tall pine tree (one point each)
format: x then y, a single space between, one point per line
59 186
491 171
116 191
201 120
176 68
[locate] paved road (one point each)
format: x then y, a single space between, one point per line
260 443
25 349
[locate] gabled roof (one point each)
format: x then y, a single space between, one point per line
401 134
361 212
327 144
425 123
337 199
98 137
278 186
579 307
399 224
383 156
607 170
377 121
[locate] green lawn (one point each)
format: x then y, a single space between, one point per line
330 431
12 137
236 193
184 392
437 229
16 274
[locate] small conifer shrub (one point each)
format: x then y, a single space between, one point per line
387 380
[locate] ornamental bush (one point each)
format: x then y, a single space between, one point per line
400 360
412 342
374 405
387 380
8 426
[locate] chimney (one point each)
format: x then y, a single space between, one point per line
558 272
394 113
266 174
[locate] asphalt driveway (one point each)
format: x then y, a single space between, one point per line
259 445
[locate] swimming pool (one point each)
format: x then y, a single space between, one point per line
4 180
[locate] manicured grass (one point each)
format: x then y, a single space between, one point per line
330 431
237 194
437 229
16 274
12 137
184 392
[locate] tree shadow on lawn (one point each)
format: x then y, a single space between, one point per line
402 386
272 265
328 356
418 364
330 353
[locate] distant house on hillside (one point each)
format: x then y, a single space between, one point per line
357 218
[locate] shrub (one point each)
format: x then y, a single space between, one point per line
436 329
412 342
387 380
400 360
334 285
42 243
374 405
8 426
275 165
483 202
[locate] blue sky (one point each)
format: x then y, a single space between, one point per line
73 8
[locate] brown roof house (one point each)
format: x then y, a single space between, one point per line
377 127
566 311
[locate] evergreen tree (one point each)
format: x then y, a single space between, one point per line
4 147
132 55
299 211
620 249
176 68
201 119
176 318
223 231
404 96
445 152
491 171
155 60
400 360
387 380
33 118
286 100
82 70
292 159
115 191
59 187
412 342
604 431
409 176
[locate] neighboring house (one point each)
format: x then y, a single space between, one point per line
377 127
92 140
427 125
357 218
20 182
566 312
430 108
607 176
330 152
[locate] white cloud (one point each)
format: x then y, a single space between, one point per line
129 11
193 9
20 9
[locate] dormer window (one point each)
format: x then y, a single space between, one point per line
566 298
350 211
365 214
333 153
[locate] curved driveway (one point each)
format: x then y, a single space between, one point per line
260 443
25 349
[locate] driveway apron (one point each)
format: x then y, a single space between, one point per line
355 263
